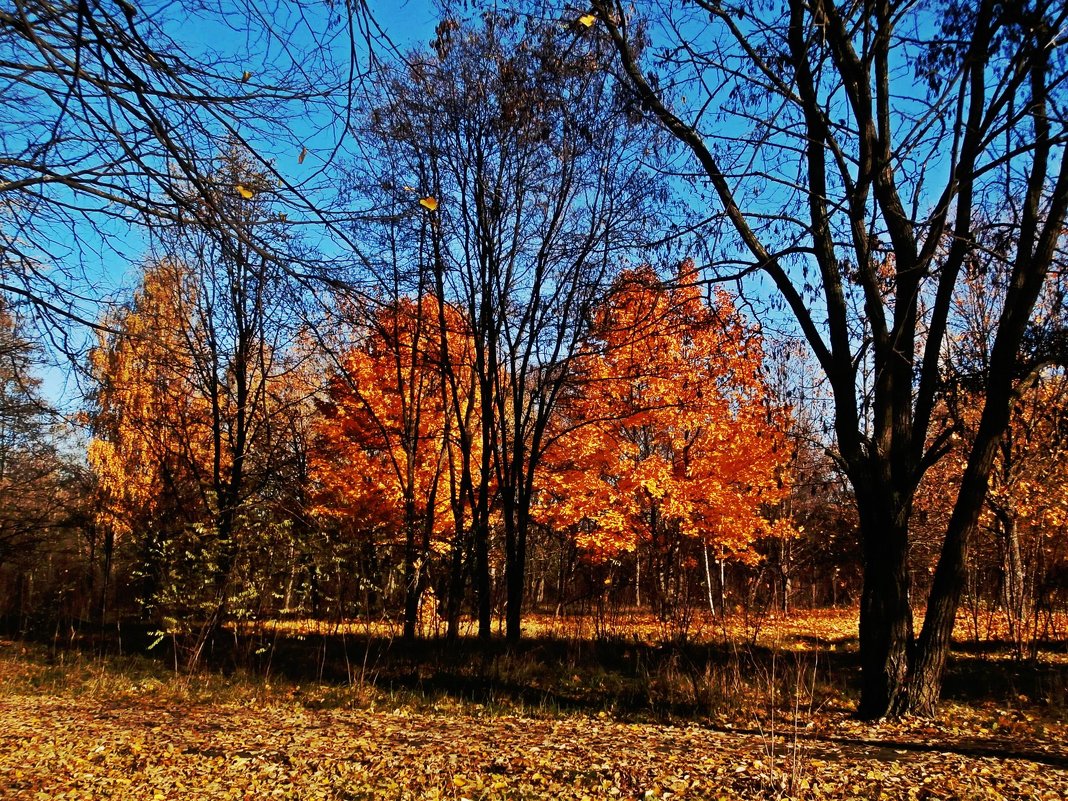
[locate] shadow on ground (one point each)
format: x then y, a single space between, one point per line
626 678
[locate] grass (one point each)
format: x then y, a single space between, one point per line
638 668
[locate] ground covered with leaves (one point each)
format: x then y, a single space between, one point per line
87 728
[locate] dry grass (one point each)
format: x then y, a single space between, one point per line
797 629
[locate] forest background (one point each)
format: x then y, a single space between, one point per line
680 311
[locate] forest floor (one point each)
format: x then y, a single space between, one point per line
765 724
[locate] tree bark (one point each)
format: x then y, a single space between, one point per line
516 548
411 574
951 574
483 586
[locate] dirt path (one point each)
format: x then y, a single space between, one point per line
55 747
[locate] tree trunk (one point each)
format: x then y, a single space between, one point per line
1015 595
105 584
483 587
411 575
951 574
785 575
516 548
885 612
925 682
708 579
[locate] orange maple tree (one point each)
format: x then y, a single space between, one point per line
670 431
385 460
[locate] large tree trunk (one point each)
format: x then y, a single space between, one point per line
932 650
886 631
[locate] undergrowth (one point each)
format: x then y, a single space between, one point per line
762 687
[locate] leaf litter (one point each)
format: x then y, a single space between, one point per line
147 741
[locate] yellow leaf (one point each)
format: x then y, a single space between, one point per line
302 156
430 203
245 76
244 191
588 20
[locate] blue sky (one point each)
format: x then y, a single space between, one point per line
409 23
111 263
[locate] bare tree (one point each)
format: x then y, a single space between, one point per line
110 118
853 150
533 188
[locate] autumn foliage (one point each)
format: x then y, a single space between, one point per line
384 425
669 431
406 350
151 429
665 439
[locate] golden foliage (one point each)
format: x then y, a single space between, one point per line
149 423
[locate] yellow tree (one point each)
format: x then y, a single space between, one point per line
186 400
670 435
148 422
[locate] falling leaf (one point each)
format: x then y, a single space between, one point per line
244 191
430 203
588 20
245 76
303 155
409 188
